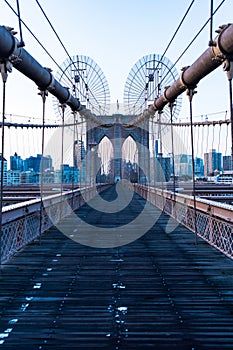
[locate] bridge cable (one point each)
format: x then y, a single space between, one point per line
66 51
202 138
153 149
226 140
63 106
207 143
74 134
212 146
159 173
5 67
190 93
198 143
73 155
211 42
176 31
169 44
143 179
195 37
39 42
43 94
171 106
228 67
219 138
21 43
192 41
81 163
59 39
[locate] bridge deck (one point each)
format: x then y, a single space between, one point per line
160 291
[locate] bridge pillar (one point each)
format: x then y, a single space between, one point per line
91 161
144 156
117 146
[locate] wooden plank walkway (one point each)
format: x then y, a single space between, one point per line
159 292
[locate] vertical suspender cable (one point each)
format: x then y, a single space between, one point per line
229 75
213 126
198 138
153 152
190 93
74 155
81 169
145 158
231 111
228 68
63 106
43 94
4 79
160 165
219 138
226 146
171 105
226 138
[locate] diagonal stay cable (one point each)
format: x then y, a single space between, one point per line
38 41
195 37
171 40
191 42
60 41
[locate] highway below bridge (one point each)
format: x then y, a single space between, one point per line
161 291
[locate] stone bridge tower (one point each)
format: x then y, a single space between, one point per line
116 129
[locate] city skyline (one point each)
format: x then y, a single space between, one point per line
28 170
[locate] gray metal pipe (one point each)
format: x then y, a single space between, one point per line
26 64
212 58
7 43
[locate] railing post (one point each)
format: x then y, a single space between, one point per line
210 224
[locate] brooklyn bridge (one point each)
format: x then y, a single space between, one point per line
119 233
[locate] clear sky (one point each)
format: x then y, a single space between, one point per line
116 34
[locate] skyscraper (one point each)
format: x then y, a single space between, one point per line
16 162
199 167
3 162
183 165
35 163
162 168
212 162
79 153
227 163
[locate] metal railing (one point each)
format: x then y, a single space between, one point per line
211 220
25 222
